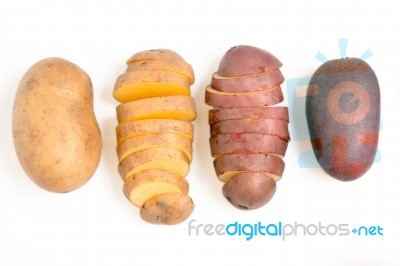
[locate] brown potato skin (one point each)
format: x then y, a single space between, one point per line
260 126
222 114
343 114
244 60
249 191
243 100
247 83
168 208
247 143
56 135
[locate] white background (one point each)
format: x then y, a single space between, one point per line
96 225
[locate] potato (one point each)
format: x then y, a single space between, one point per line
252 83
249 191
169 159
245 60
343 113
170 107
168 208
241 100
153 126
176 66
147 84
221 114
56 135
147 184
272 127
230 165
155 54
247 143
147 141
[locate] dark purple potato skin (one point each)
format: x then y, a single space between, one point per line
249 191
343 114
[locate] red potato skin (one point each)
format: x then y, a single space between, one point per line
248 83
247 143
260 126
249 191
249 162
233 100
222 114
244 60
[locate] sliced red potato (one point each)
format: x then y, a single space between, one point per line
221 114
241 100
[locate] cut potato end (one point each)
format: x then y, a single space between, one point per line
155 54
139 91
153 126
143 142
140 193
225 177
169 107
175 66
169 208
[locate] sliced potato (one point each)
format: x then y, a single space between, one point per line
176 66
221 114
153 126
243 99
143 142
168 208
230 165
155 54
147 84
170 107
156 158
150 183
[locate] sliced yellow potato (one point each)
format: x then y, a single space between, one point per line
144 185
176 66
170 107
155 54
153 126
169 159
147 84
143 142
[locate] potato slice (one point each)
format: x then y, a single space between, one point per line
176 66
155 158
150 183
147 84
222 114
272 127
247 83
143 142
243 99
247 143
170 107
230 165
155 54
153 126
168 208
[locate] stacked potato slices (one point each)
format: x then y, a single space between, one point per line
249 138
155 134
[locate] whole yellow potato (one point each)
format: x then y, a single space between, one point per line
56 135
